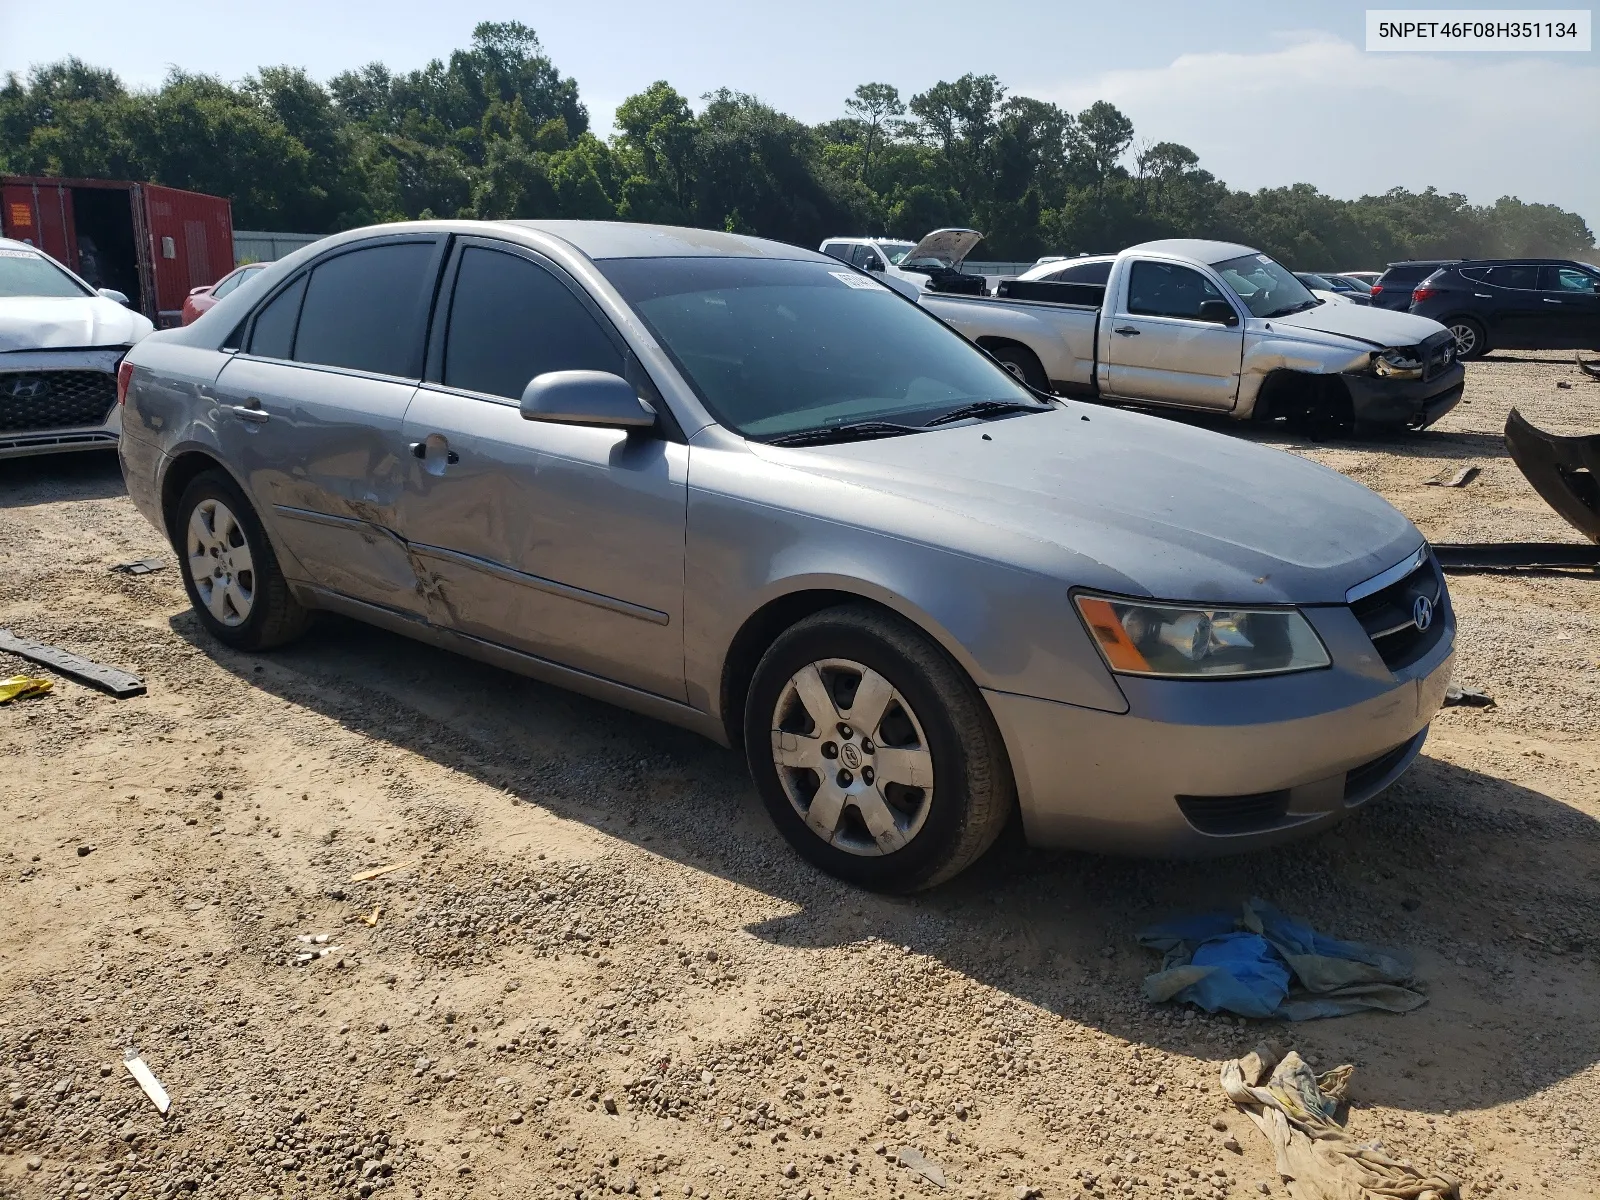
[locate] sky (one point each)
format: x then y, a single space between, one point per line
1265 93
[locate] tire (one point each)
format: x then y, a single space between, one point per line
1472 341
953 793
243 600
1022 363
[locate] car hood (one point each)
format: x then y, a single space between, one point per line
61 323
947 245
1125 502
1377 327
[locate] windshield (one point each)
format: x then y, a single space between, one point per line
26 273
776 346
897 250
1315 281
1267 288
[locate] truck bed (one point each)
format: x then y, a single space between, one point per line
1058 322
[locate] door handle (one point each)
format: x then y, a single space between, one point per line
420 450
1547 300
1482 296
255 415
1127 331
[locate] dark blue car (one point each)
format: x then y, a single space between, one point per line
1513 304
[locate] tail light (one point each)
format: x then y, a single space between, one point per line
1418 295
1376 289
124 377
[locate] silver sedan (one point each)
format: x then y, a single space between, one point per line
746 489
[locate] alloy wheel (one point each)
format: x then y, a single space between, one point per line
852 757
1466 339
219 562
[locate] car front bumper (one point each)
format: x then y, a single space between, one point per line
1196 769
56 401
1416 403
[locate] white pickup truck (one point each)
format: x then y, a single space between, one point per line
1218 327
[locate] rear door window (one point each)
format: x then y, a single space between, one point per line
273 335
1523 277
511 320
837 250
364 310
1158 289
1097 272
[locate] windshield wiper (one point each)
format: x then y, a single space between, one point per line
984 408
857 431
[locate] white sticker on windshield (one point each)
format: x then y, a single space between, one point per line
852 280
17 254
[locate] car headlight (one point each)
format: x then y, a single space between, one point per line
1139 638
1398 362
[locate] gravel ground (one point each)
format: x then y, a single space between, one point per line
598 971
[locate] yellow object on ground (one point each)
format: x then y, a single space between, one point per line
23 687
1317 1160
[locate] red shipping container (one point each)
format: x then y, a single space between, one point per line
152 243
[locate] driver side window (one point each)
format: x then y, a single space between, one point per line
1157 289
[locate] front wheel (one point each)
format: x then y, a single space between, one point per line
876 756
229 568
1471 340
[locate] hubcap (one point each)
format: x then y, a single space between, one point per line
1015 369
852 757
219 562
1466 338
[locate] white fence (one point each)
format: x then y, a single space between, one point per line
254 245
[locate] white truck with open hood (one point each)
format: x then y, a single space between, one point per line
1214 327
933 264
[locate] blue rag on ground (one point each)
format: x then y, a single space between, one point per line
1265 964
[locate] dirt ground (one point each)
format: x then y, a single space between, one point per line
599 971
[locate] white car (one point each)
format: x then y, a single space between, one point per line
61 343
912 267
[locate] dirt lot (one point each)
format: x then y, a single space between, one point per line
600 971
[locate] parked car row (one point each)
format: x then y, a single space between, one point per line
760 493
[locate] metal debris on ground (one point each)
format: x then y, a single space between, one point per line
147 1080
1464 558
1457 696
1262 963
112 680
1297 1110
373 872
1459 480
23 687
139 566
918 1163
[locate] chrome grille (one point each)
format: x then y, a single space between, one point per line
1390 614
41 400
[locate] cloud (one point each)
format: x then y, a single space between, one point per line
1320 110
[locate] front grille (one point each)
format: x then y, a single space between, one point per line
40 400
1359 781
1438 352
1389 616
1235 814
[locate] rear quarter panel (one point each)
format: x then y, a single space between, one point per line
1061 336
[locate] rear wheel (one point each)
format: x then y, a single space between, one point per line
229 568
876 756
1022 363
1471 340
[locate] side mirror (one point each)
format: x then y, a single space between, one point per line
874 264
113 294
586 398
1218 312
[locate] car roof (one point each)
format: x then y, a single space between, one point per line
1199 249
624 239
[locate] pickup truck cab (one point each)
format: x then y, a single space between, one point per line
1218 327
